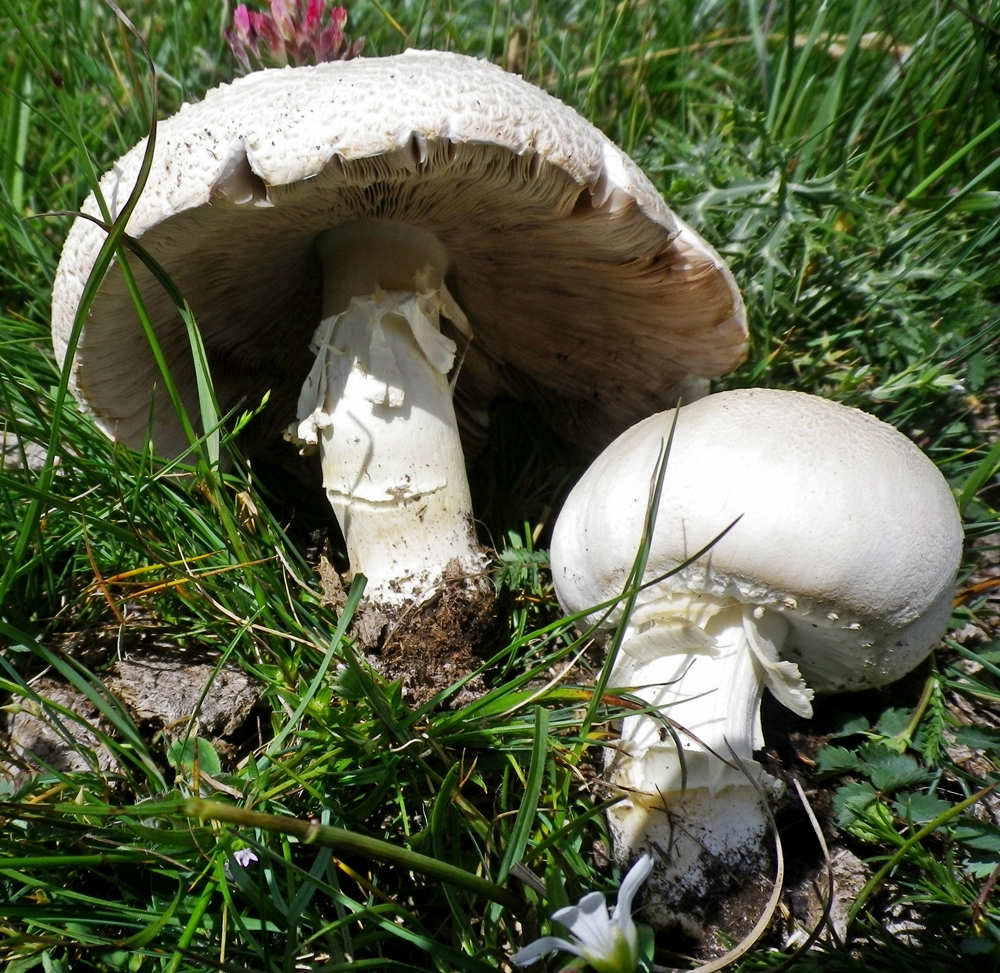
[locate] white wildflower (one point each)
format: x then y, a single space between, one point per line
609 943
244 857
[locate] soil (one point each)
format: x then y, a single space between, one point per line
427 646
434 645
737 914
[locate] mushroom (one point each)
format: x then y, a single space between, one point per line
799 545
346 234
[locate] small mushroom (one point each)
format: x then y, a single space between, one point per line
346 234
836 573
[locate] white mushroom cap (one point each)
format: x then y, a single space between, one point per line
575 276
837 573
845 528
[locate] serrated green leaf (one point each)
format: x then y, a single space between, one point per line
980 866
850 724
895 770
979 737
837 760
873 823
978 835
851 801
893 721
919 808
875 751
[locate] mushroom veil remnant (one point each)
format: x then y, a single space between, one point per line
363 239
837 574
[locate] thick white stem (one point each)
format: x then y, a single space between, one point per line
378 402
704 667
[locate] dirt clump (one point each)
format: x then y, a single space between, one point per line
429 645
61 731
435 644
179 696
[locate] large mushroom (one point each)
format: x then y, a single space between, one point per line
836 547
345 234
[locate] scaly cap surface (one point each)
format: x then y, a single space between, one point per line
845 527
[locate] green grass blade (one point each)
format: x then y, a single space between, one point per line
311 833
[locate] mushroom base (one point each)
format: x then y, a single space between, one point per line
712 854
695 794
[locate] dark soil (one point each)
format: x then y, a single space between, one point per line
434 644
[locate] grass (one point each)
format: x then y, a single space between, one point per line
844 157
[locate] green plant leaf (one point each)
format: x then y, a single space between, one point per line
977 946
979 737
850 724
21 964
977 835
192 752
851 801
891 771
893 722
919 808
837 760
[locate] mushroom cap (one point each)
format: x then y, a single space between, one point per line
576 277
845 527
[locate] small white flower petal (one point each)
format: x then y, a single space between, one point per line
570 915
637 874
589 922
547 944
609 943
622 916
245 856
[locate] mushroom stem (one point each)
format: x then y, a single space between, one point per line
703 665
378 403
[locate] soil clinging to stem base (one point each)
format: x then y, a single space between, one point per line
428 645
